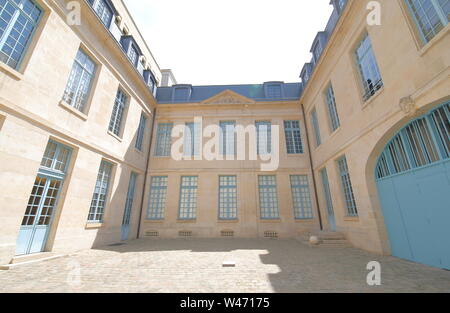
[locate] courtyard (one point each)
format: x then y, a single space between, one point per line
195 266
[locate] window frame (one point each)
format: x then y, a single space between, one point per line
333 114
140 136
263 210
117 127
184 213
347 189
31 38
302 211
316 127
157 213
291 130
94 211
163 138
232 212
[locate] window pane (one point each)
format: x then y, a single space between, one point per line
228 197
368 68
141 132
347 188
315 123
293 137
98 202
228 138
332 109
301 197
18 20
188 198
157 198
118 110
164 140
78 86
268 198
264 135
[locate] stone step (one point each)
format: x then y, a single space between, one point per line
29 259
326 239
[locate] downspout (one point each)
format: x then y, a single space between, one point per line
312 169
146 173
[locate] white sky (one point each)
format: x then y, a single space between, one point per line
207 42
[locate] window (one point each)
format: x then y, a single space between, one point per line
141 132
332 109
317 51
157 199
129 201
264 135
431 16
422 142
103 11
368 68
181 94
80 79
268 198
56 157
347 187
293 137
192 139
228 138
98 202
274 91
301 197
315 124
327 192
133 55
164 140
188 198
18 21
120 103
228 197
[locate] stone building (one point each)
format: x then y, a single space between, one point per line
90 132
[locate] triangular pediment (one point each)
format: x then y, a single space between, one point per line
228 97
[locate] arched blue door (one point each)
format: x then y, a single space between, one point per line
413 179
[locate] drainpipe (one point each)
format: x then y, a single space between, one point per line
312 168
146 174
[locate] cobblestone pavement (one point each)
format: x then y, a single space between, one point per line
195 265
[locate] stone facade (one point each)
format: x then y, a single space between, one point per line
416 78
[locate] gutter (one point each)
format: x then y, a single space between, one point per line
146 174
312 169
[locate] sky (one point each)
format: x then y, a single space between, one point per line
214 42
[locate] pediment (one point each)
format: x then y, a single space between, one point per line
228 97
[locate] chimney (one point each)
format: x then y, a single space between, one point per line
168 79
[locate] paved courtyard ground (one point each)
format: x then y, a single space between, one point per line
195 265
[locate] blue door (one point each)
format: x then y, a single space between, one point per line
125 234
38 216
413 179
42 203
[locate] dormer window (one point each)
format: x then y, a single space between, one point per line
339 5
273 90
103 10
181 93
317 51
131 49
133 54
150 80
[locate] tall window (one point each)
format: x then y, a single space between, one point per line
129 201
228 197
315 124
103 11
141 132
164 140
301 197
18 20
192 139
431 16
347 187
268 198
332 109
293 137
98 202
228 138
80 79
327 191
117 114
368 68
264 135
157 199
188 198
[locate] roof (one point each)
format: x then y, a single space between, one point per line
257 92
